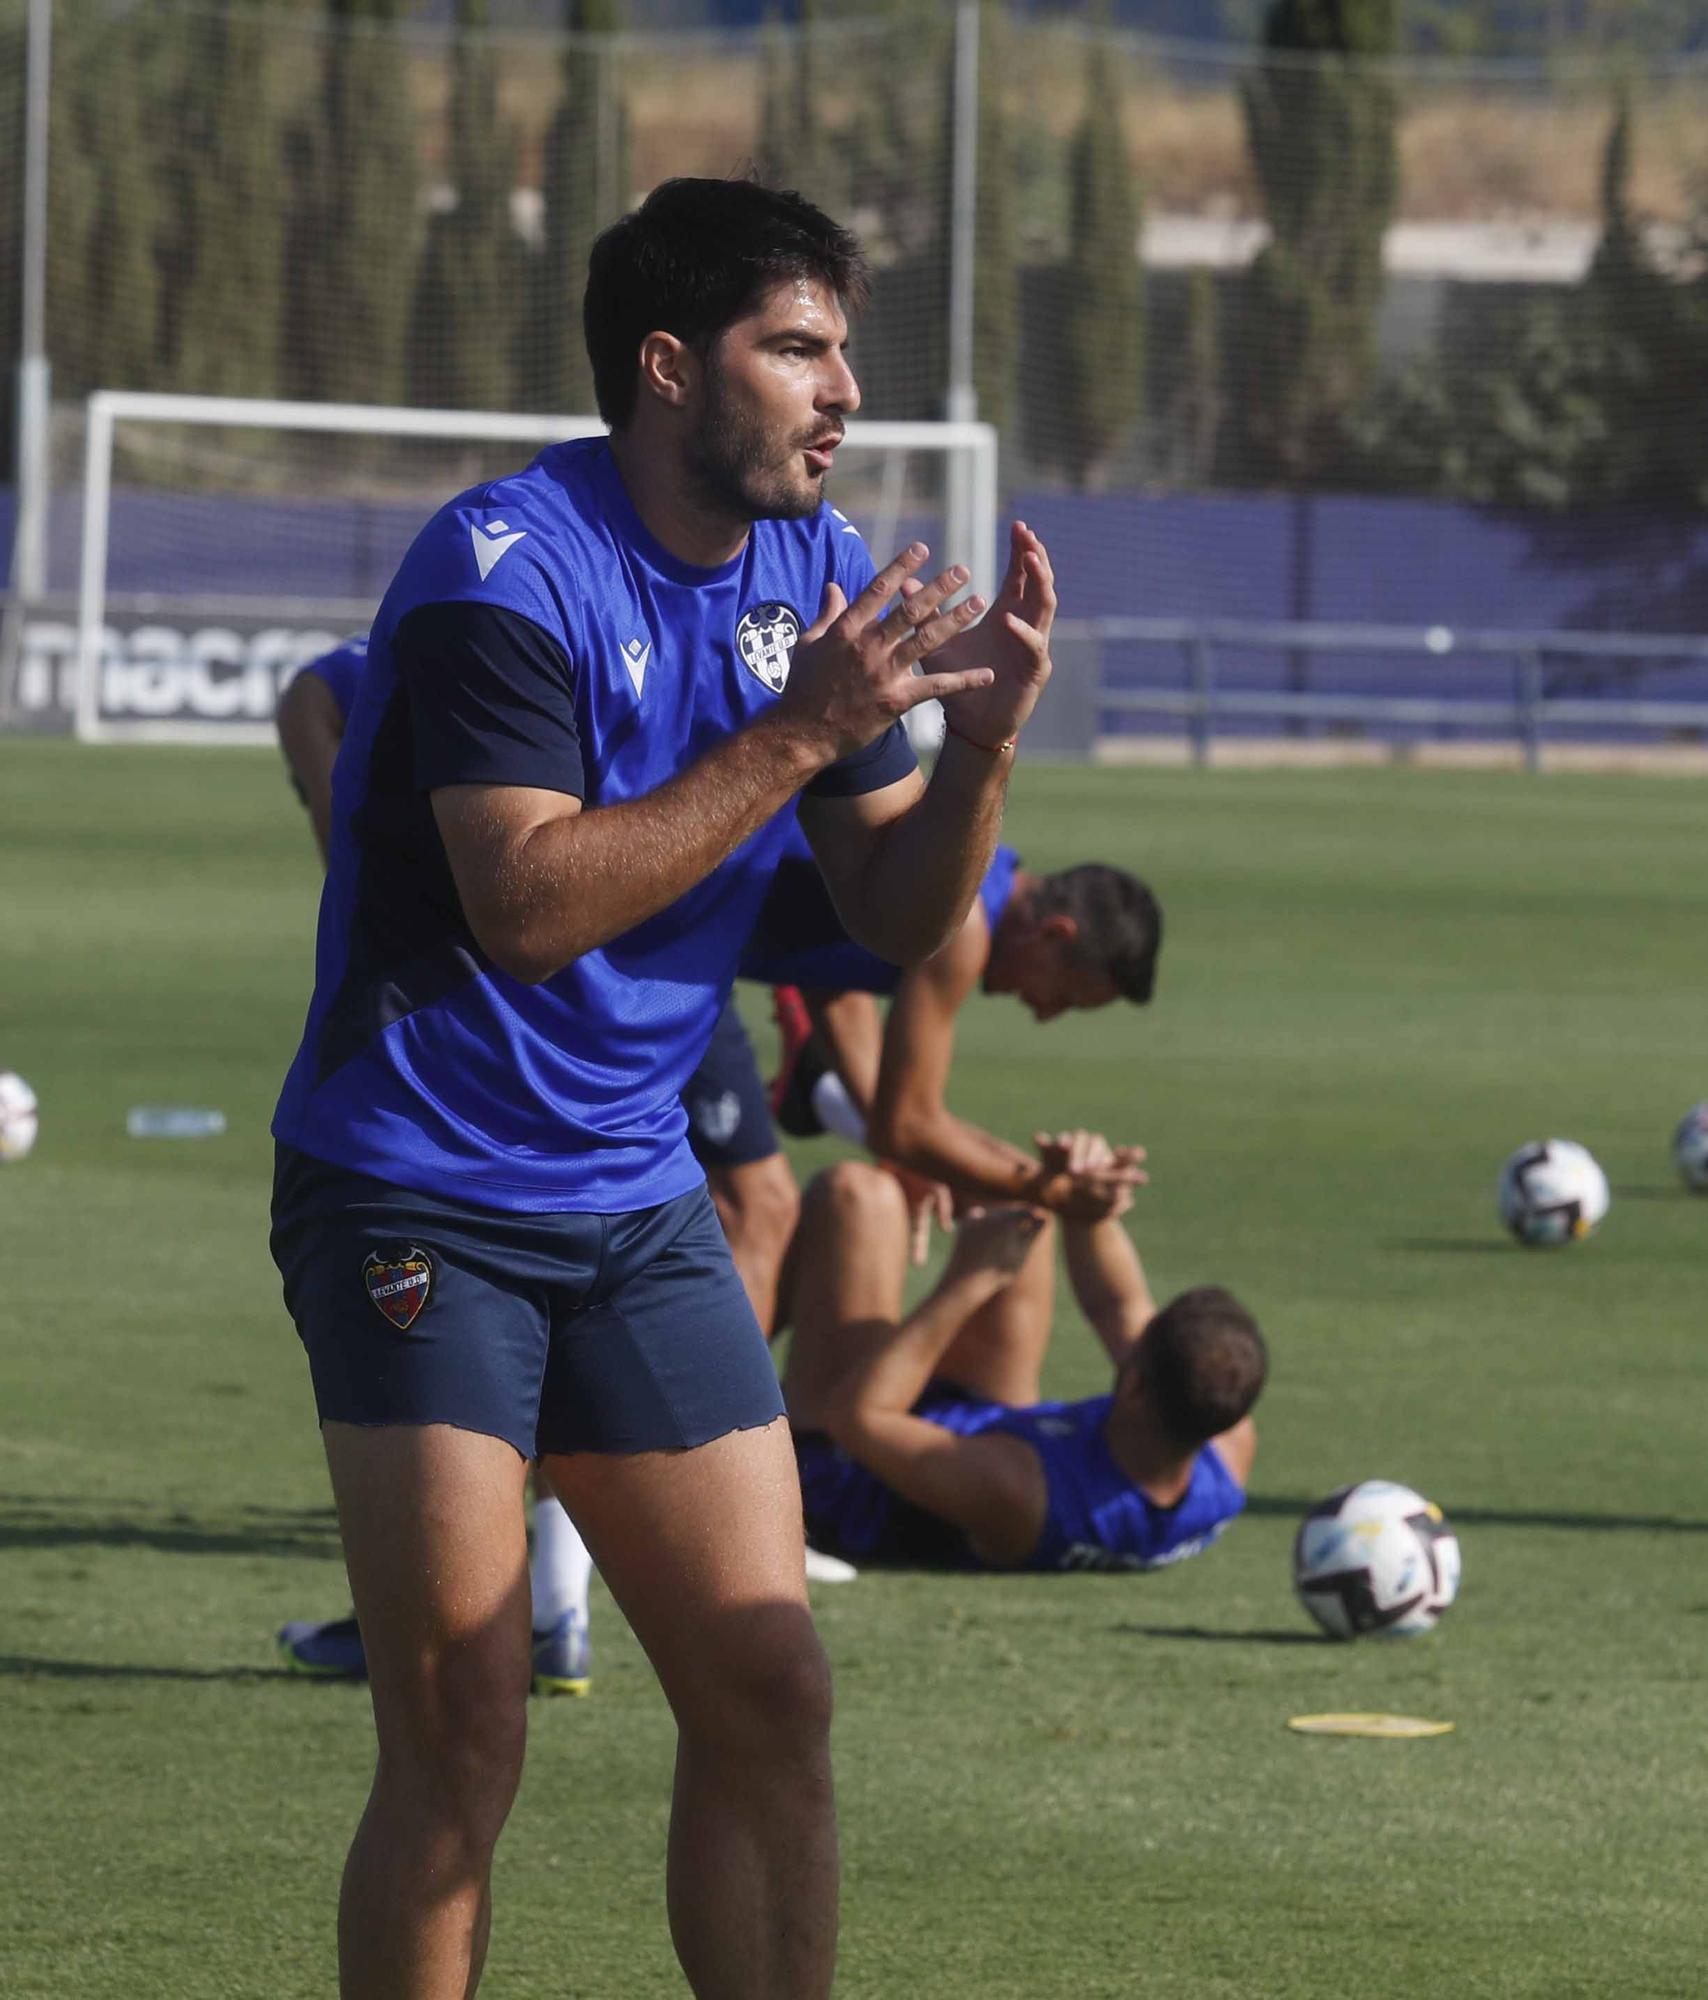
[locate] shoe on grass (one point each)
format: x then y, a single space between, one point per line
563 1657
325 1649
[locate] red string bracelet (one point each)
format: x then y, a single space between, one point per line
990 749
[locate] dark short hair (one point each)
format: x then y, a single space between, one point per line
693 258
1118 923
1202 1362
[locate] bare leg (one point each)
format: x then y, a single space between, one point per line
999 1353
850 1270
703 1551
758 1205
432 1519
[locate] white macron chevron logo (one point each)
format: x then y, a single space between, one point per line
491 542
636 653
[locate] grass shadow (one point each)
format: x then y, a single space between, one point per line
1456 1246
34 1521
27 1666
1292 1507
1268 1637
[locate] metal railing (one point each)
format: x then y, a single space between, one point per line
1084 696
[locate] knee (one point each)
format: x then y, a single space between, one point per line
766 1699
857 1194
761 1204
453 1742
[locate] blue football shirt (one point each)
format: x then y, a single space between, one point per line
1097 1518
798 939
340 670
538 635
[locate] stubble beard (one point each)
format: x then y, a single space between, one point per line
744 470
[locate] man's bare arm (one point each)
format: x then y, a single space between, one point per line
850 1031
911 1119
904 864
541 881
1103 1264
311 728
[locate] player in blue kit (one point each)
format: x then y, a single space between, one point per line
589 686
310 719
312 715
1080 938
922 1439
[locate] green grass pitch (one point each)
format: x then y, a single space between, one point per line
1375 986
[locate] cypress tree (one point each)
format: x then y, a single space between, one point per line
221 263
104 212
1103 349
1202 403
11 249
353 231
465 292
794 149
1645 332
585 187
996 294
1320 121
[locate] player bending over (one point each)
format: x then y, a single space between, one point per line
922 1439
589 685
1078 939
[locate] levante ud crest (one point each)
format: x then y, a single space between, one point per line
765 638
399 1284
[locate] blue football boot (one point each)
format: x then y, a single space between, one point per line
329 1649
563 1658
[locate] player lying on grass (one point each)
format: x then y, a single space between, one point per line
588 686
922 1438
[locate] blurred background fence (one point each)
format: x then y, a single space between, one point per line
1353 313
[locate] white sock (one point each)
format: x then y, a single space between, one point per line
836 1110
561 1565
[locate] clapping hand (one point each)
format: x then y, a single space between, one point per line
1013 640
853 672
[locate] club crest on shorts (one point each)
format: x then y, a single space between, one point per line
716 1118
765 639
399 1285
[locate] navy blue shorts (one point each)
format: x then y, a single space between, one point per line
558 1333
729 1115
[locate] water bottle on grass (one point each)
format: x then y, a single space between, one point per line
173 1121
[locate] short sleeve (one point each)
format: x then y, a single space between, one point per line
882 763
491 700
339 671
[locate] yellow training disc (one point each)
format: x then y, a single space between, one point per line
1366 1725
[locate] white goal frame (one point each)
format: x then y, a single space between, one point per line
970 504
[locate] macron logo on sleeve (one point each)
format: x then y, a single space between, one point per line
491 542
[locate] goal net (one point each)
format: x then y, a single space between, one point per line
227 541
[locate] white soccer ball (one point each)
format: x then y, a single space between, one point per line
1690 1148
1376 1558
18 1119
1552 1191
